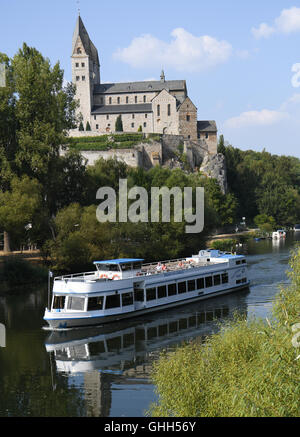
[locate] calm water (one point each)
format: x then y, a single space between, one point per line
96 372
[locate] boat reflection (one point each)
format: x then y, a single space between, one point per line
122 346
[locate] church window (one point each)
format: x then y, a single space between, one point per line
135 99
77 78
169 109
188 117
107 117
83 77
145 124
206 135
146 115
95 117
132 124
79 50
97 126
127 99
158 110
109 101
132 115
145 98
82 64
77 64
118 100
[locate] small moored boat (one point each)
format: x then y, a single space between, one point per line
279 234
124 288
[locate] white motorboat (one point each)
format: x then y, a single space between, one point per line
279 234
123 288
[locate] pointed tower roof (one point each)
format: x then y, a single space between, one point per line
81 32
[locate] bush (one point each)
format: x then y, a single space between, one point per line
17 272
249 368
225 245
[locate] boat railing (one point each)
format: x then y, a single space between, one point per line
75 276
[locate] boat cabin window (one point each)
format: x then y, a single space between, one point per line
172 290
139 295
126 267
112 301
59 302
200 283
224 278
243 261
95 303
217 280
127 299
238 262
76 303
208 281
191 285
181 287
108 267
96 348
162 291
151 294
137 265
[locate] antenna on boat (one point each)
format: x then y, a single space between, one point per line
50 274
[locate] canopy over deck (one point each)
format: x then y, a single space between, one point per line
119 261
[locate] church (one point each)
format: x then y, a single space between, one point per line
160 107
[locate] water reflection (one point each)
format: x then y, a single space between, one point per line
106 355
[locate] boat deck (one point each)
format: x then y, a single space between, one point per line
147 269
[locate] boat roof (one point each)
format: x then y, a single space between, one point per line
119 261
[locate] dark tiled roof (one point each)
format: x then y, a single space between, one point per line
80 31
140 87
122 109
206 126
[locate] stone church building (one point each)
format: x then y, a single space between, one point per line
161 107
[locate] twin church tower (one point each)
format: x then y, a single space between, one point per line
161 106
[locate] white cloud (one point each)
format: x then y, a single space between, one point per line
185 52
287 22
263 31
265 117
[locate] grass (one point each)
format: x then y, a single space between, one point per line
247 369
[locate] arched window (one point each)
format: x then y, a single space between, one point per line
158 110
169 109
110 100
79 51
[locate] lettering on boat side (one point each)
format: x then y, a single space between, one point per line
152 426
160 205
2 335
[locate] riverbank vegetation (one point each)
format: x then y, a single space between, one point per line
16 272
247 369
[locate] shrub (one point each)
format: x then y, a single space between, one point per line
248 368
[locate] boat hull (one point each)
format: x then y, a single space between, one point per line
69 321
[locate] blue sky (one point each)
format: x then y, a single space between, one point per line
236 56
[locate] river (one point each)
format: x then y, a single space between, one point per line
105 373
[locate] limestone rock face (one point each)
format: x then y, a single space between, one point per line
214 166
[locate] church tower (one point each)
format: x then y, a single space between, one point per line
85 69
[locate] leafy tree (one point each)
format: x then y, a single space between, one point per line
19 205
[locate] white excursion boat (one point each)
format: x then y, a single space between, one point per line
124 288
279 234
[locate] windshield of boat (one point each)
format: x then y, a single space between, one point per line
108 267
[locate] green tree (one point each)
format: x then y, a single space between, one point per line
19 205
88 127
81 128
221 145
119 124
